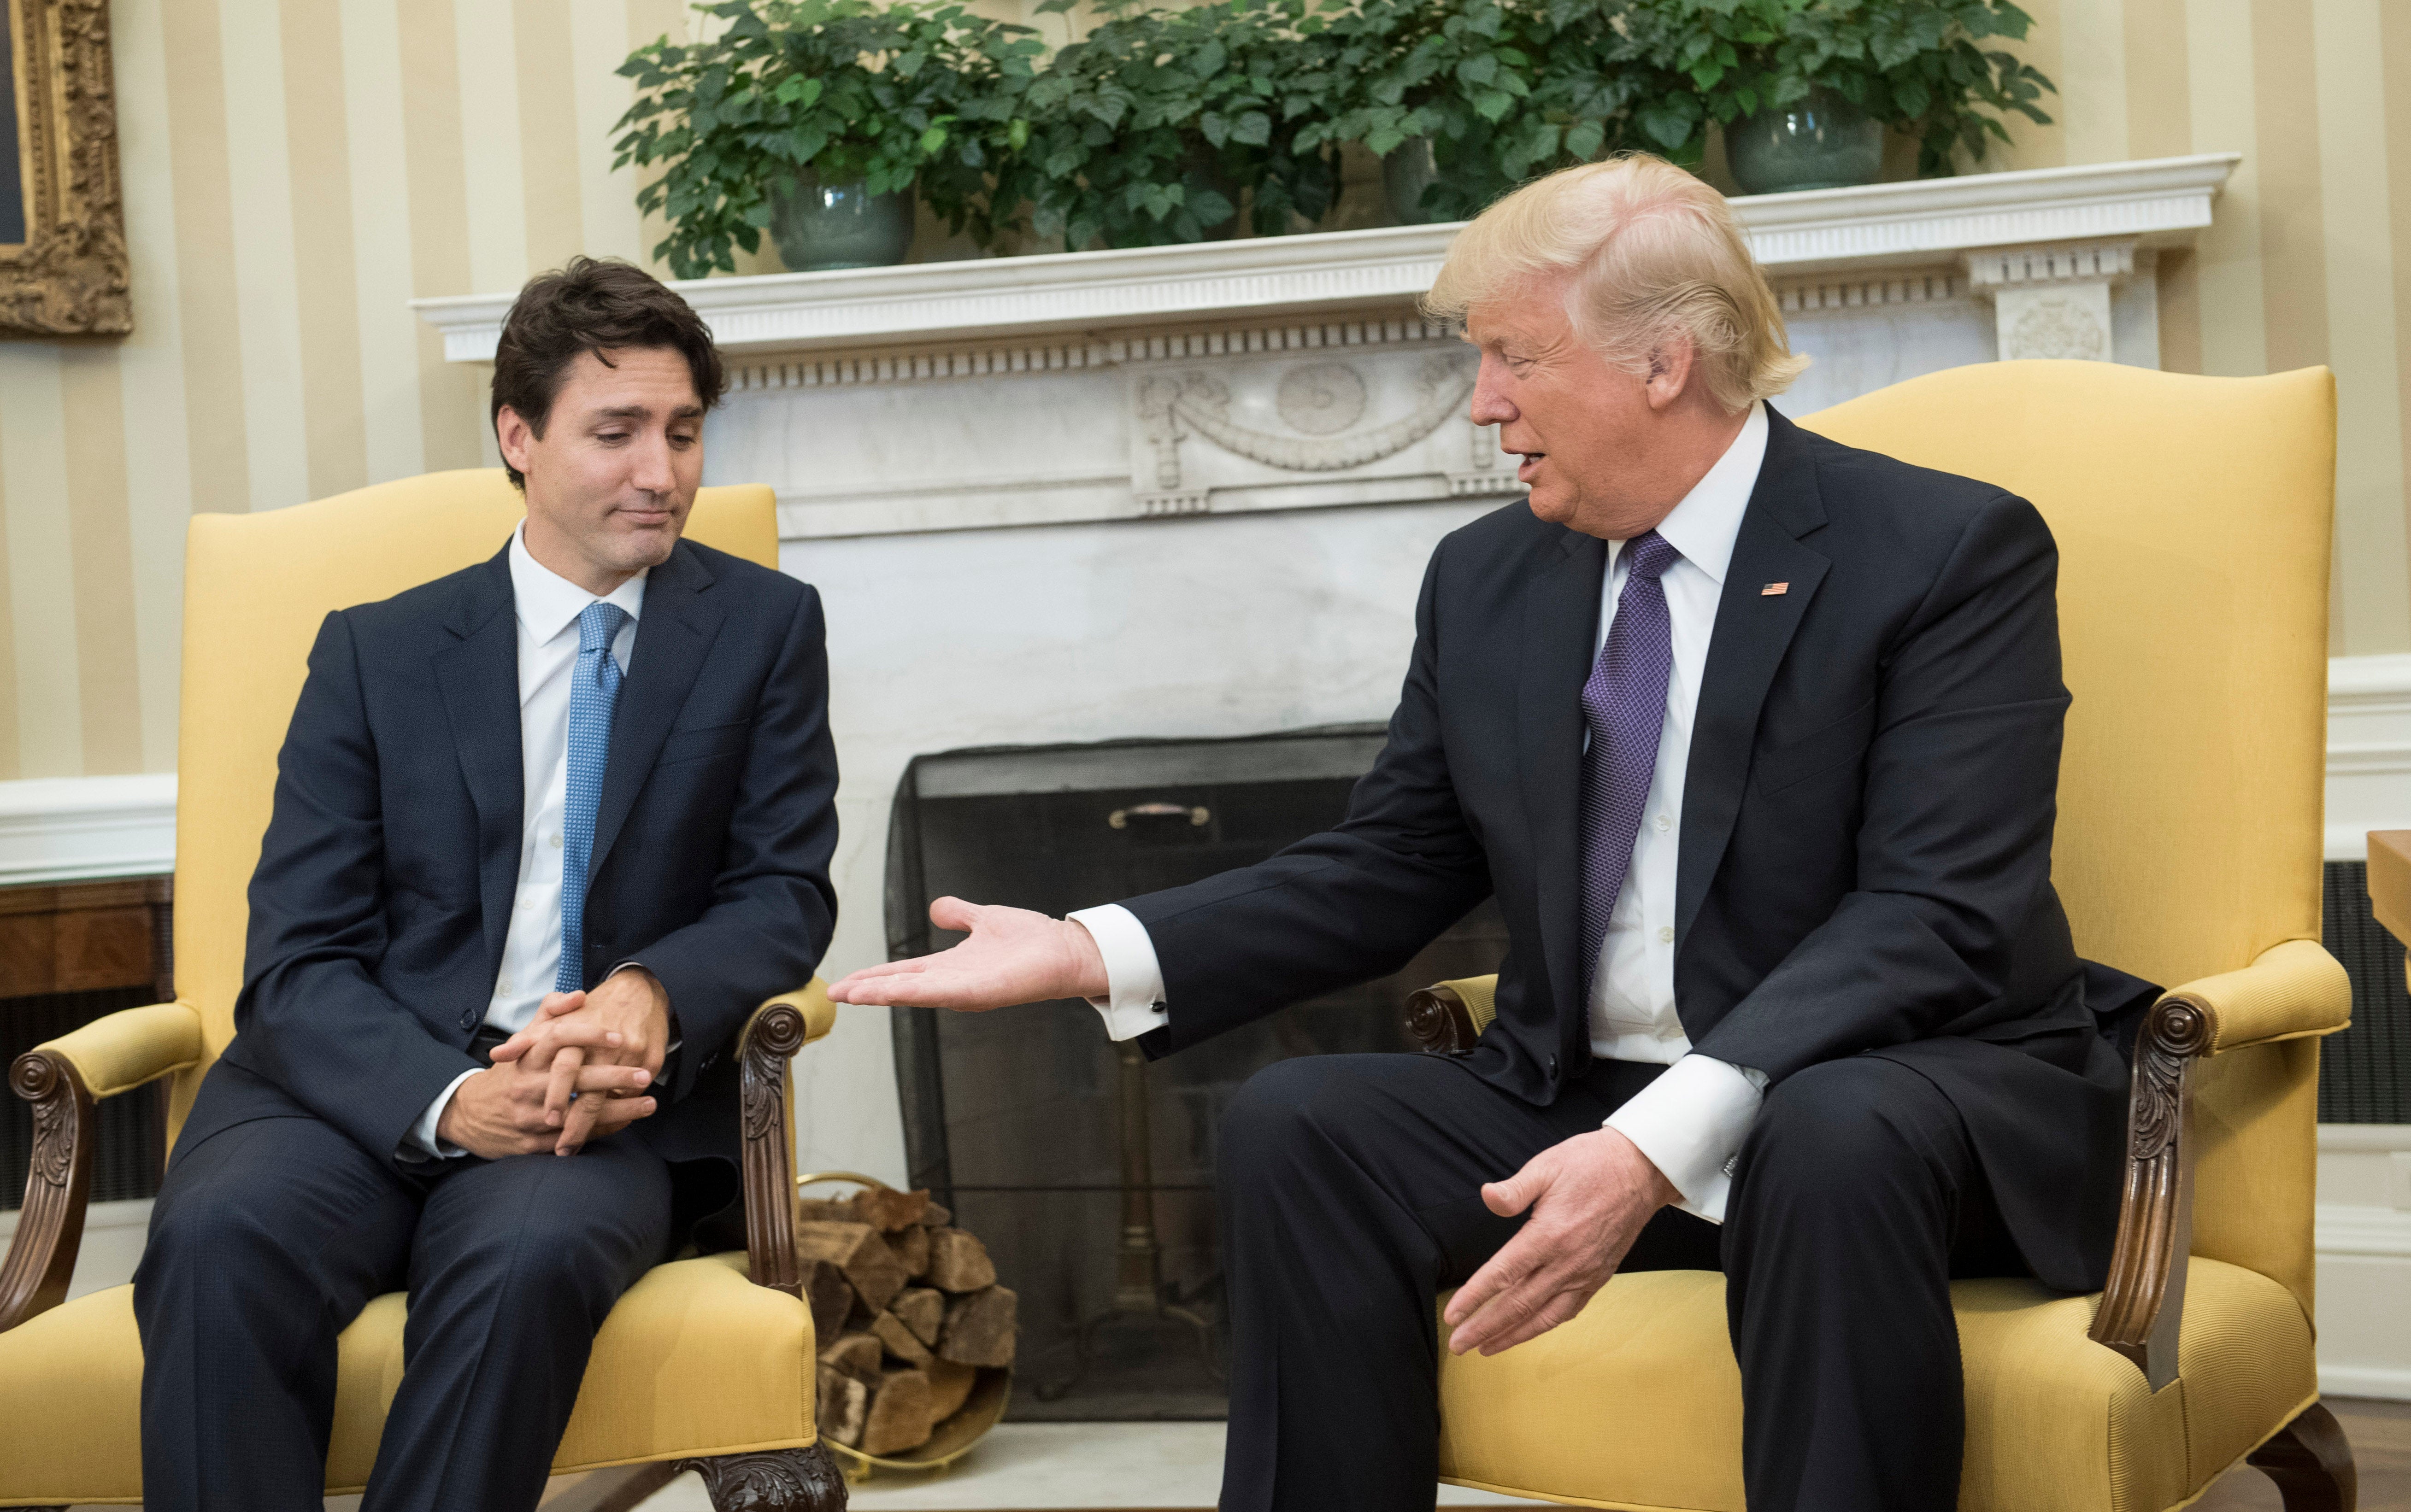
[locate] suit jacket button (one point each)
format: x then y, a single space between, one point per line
1553 1068
469 1020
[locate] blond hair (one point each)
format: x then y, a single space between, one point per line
1652 253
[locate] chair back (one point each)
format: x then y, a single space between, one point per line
257 587
2193 517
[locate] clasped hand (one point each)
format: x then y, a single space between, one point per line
577 1074
1589 1197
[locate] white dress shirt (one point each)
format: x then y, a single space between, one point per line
547 606
1689 1122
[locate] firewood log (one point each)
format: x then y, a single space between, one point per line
855 1248
844 1402
890 1331
957 1262
824 1210
911 1247
923 1310
979 1329
899 1417
950 1387
830 1299
886 1210
938 1216
854 1354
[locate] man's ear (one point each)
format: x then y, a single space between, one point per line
1670 371
512 437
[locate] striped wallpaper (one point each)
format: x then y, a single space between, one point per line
296 169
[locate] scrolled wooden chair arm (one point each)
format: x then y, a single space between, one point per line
65 1080
2292 990
50 1229
778 1029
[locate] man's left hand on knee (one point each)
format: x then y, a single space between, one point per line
1588 1199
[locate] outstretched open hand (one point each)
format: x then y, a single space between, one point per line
1014 956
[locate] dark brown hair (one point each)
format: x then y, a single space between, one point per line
598 305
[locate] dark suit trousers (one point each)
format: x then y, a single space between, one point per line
269 1236
1349 1196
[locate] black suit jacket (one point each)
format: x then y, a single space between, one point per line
385 883
1865 851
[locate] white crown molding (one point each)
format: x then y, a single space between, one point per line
1876 225
66 829
2369 751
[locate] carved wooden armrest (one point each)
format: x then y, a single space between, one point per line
64 1079
779 1028
1447 1018
2293 991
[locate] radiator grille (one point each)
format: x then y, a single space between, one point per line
2365 1071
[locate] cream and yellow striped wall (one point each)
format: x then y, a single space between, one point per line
296 170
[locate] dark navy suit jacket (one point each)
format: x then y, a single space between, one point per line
385 883
1865 864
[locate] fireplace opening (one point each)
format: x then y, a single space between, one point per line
1086 1170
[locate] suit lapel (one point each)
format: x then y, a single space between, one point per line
479 674
1752 633
673 635
1561 627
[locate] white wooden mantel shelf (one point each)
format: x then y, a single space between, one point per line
1927 223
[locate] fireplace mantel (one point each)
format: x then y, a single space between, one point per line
1919 223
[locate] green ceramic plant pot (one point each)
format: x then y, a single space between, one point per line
1821 141
823 226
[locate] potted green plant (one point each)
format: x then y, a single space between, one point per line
1805 89
1154 127
815 120
1465 99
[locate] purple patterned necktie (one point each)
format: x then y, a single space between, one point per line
1624 704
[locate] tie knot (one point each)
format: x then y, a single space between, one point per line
1650 554
597 623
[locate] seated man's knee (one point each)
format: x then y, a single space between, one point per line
1839 1125
1284 1109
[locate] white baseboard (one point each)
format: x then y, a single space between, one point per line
66 829
112 1243
2364 1260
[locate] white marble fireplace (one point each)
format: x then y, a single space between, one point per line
1190 491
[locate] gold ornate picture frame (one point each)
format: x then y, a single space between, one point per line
63 265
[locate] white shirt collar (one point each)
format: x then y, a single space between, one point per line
547 604
1706 524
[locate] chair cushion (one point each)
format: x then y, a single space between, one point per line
695 1359
1636 1403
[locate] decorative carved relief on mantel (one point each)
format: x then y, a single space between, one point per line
1332 416
2054 301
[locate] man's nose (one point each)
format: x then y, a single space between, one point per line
649 469
1490 405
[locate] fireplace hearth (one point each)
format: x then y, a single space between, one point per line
1089 1172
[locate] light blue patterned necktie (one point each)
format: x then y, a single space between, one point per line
593 693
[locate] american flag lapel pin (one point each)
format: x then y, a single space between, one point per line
1774 591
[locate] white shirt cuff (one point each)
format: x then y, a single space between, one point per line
1133 979
421 1144
1689 1122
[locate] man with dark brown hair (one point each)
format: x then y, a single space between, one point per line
546 830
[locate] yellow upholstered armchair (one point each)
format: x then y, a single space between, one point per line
2192 516
707 1360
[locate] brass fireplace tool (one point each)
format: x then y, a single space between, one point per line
1139 1292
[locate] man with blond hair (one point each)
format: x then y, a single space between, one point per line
1754 737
